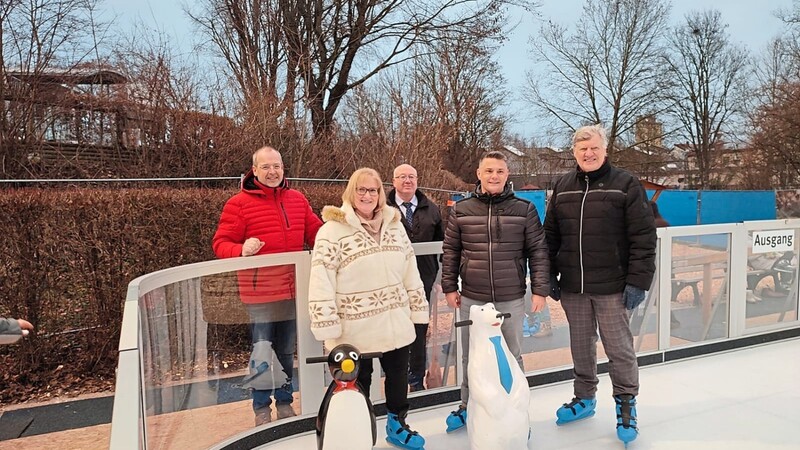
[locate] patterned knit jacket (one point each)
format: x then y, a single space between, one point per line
365 293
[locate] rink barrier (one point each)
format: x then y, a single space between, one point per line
129 427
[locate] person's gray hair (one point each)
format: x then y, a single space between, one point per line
494 154
586 132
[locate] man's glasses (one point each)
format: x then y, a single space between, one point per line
365 191
406 177
271 166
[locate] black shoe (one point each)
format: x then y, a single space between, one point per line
415 382
416 387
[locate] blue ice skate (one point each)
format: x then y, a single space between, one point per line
577 409
255 373
457 419
529 329
627 429
399 434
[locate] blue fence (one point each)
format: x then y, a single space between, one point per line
538 200
694 207
535 197
708 207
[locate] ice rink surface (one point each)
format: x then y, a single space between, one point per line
744 399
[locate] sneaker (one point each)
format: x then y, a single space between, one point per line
399 434
577 409
263 415
457 419
544 331
627 429
285 410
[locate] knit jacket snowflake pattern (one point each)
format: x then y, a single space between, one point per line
365 293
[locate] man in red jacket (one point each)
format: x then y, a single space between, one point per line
268 217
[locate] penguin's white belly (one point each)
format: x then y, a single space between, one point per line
348 425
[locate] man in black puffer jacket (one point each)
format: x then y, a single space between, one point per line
602 239
492 240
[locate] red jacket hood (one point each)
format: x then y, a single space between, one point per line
251 185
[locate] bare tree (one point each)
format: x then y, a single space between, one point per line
775 157
468 90
607 70
249 36
441 111
324 49
393 120
791 17
710 75
6 8
171 114
38 36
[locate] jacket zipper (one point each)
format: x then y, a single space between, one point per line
491 262
580 232
285 217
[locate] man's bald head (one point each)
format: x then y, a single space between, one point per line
404 181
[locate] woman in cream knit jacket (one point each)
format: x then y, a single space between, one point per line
365 290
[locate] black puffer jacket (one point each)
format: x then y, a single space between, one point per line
427 227
489 241
600 232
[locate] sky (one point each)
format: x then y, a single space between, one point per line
751 24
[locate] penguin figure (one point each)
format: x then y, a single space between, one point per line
346 419
499 396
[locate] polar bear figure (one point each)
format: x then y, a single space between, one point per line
499 396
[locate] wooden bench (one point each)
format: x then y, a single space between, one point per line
780 269
690 271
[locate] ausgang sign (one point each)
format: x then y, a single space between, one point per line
773 241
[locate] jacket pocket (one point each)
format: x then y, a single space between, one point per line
520 263
462 269
255 279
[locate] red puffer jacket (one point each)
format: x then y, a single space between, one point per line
282 219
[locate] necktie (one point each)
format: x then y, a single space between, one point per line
506 379
409 213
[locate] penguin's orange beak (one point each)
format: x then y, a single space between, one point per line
348 366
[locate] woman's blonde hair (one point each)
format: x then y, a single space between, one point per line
349 194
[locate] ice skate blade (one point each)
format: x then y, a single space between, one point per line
454 429
560 422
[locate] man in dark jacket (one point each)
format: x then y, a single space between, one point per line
493 239
268 217
423 223
602 241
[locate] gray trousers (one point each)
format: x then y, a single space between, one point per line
586 313
511 329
